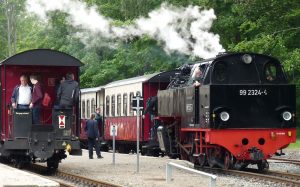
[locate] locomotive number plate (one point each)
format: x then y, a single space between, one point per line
250 92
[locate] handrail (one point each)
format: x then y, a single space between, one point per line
169 173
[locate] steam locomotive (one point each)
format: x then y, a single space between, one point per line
243 112
23 142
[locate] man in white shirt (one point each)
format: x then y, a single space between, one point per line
21 96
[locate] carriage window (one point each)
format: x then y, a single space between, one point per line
107 105
119 105
125 100
270 72
220 69
130 101
88 109
93 106
83 109
113 109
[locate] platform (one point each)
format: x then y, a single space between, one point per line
13 177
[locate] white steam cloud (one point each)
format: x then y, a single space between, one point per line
180 29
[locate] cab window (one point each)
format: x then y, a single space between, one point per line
270 72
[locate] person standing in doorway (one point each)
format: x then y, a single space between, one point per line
37 98
152 108
98 118
21 96
68 92
93 136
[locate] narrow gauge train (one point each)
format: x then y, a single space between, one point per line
115 101
243 112
23 142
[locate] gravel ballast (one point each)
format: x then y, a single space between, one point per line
152 171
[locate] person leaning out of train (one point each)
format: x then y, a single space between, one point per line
152 109
68 92
37 98
197 75
92 131
21 96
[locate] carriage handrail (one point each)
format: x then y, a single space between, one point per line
169 166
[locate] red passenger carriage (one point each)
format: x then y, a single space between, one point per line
22 141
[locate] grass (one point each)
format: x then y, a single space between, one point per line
297 144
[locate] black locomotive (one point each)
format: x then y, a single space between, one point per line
242 113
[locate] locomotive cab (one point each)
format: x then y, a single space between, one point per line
244 98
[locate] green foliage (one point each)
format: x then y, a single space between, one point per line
269 27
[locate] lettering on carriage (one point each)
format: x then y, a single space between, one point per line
22 113
253 92
280 133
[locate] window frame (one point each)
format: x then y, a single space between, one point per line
119 104
113 105
125 104
93 106
83 109
88 108
107 105
131 112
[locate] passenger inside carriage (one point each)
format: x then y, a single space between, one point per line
37 97
68 92
58 83
21 96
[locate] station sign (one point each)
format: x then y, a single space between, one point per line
112 128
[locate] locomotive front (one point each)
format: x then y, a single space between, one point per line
243 112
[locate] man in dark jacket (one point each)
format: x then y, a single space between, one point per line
152 107
37 98
98 118
68 92
93 136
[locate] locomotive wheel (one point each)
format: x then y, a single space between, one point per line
193 160
263 165
211 159
19 164
202 160
227 160
52 164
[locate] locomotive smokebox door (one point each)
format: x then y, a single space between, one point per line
62 120
22 122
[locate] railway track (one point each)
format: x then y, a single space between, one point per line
284 160
68 179
284 178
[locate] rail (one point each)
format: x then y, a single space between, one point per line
170 165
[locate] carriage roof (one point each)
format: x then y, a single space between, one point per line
155 77
42 57
95 89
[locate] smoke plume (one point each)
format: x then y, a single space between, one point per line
185 30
